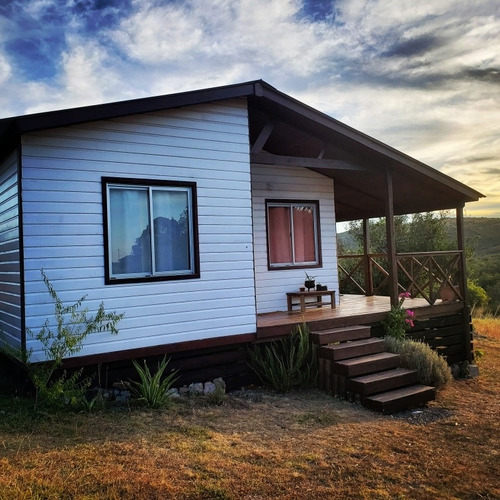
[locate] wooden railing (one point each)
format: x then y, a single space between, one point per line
422 274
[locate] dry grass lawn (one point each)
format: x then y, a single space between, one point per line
263 446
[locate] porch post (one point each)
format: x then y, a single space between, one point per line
463 285
461 246
391 240
367 264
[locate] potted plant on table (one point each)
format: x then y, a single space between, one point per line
309 282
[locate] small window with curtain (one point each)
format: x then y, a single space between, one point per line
293 234
151 230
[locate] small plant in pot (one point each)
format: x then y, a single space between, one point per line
309 282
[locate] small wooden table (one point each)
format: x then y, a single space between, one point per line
318 295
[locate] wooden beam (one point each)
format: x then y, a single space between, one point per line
366 251
263 137
463 283
461 247
296 161
391 239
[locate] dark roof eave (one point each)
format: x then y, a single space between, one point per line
73 116
393 155
257 91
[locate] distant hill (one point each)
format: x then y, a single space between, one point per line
482 233
346 242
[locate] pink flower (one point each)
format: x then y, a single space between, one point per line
409 318
405 295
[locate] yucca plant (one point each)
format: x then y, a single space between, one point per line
286 363
153 389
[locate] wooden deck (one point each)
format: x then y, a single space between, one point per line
353 310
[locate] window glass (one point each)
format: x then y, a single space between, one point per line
280 243
171 230
303 234
130 240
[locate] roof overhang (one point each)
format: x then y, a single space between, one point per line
287 132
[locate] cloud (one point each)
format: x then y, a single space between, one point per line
413 47
5 70
490 75
420 76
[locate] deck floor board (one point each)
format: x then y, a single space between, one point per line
352 310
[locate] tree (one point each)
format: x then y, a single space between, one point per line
425 232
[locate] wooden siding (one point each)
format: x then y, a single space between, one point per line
10 270
63 225
275 183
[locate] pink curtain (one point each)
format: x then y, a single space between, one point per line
303 232
280 241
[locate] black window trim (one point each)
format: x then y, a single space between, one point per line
318 234
105 181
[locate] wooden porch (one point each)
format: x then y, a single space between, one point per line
352 310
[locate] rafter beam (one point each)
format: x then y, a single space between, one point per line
263 137
296 161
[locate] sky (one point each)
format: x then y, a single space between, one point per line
420 75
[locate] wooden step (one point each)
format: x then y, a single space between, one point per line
400 399
366 364
333 335
356 348
375 383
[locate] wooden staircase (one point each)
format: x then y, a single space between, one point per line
353 365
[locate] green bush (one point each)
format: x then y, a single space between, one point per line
61 391
477 295
432 369
286 363
53 387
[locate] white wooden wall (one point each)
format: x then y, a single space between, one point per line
63 222
270 182
10 274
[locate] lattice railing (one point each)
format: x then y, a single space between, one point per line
423 274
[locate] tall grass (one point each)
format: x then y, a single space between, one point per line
485 312
487 326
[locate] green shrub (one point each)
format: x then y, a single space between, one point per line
432 369
53 387
61 391
477 295
399 320
286 363
153 389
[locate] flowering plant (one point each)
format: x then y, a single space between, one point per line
399 320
